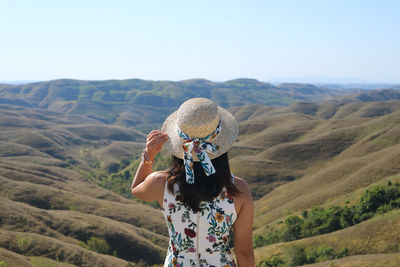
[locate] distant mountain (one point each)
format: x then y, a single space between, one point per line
318 80
359 86
371 96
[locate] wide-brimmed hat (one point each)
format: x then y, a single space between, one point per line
198 118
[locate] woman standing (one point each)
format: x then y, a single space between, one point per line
201 200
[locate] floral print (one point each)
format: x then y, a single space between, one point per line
199 239
200 146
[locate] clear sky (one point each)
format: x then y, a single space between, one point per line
212 39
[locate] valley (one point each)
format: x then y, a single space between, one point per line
69 150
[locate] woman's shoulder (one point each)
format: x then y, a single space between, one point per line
158 176
242 185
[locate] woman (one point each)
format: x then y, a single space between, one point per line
201 200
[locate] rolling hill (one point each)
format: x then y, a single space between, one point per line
68 150
128 102
321 155
51 202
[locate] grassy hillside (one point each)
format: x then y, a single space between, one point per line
374 236
67 158
128 102
51 205
278 145
320 154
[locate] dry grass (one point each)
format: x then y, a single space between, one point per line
46 197
14 259
38 245
45 262
294 158
369 237
371 260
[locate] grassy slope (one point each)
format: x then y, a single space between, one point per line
128 102
307 154
279 145
370 260
46 159
332 153
369 237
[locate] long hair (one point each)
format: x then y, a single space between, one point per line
205 187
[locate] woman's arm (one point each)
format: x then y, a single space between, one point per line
243 227
144 184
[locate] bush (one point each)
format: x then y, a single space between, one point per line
97 244
297 255
275 261
22 244
378 199
113 167
3 264
292 229
73 207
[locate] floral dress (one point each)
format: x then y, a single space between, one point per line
199 238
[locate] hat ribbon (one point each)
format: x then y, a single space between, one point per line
200 146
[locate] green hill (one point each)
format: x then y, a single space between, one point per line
51 166
320 155
68 150
127 102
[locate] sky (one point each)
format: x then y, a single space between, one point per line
349 40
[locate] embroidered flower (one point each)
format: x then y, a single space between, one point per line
190 233
218 217
171 206
179 197
175 262
192 249
229 196
169 218
222 195
211 238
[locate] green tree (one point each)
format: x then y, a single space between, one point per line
292 229
98 244
297 255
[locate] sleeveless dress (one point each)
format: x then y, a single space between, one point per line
199 239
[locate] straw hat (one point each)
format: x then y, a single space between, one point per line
197 118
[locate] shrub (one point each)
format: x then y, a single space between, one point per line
73 207
113 168
3 264
275 261
97 244
378 199
297 255
22 244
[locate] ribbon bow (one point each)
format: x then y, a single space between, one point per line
200 146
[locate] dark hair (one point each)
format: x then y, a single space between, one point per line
205 187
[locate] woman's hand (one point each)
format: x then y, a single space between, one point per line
155 141
147 185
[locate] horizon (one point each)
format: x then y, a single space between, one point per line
154 40
301 80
